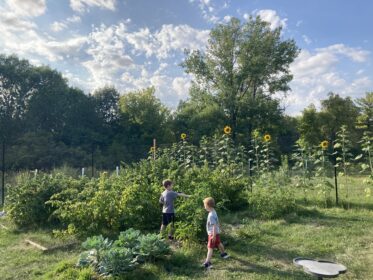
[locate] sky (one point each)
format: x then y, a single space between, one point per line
133 44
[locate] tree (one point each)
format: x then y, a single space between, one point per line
16 87
335 112
107 104
309 126
242 59
200 115
143 118
365 104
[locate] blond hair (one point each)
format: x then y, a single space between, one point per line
209 201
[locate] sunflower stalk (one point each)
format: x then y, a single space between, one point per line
343 151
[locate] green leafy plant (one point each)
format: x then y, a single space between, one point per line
151 246
271 202
343 153
323 185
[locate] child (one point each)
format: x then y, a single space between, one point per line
213 231
168 212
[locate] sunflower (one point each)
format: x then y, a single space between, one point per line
183 136
324 144
227 129
152 149
267 138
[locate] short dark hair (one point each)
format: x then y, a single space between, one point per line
166 183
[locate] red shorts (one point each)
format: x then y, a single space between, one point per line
215 244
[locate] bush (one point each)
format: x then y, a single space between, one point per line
26 202
271 202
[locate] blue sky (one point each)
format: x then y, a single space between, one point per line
136 43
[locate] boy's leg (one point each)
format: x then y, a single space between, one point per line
221 248
171 232
209 254
223 254
164 224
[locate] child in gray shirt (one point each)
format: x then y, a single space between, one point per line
168 211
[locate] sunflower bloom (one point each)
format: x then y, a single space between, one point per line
183 136
152 149
324 144
267 138
227 129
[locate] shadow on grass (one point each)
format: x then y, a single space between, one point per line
248 267
305 216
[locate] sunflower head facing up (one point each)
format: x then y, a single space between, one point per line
227 129
183 136
267 138
324 144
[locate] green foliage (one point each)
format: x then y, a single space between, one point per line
128 239
151 246
116 261
96 242
66 270
240 62
122 255
270 200
26 202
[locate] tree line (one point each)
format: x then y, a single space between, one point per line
45 123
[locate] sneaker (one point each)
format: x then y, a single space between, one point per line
224 255
207 265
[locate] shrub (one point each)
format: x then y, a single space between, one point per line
26 202
271 202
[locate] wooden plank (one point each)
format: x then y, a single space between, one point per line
36 245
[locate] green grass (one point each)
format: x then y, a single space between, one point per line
259 249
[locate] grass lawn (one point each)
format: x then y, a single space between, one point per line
259 249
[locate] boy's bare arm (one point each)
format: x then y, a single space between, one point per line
184 195
213 233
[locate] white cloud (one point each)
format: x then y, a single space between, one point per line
177 38
316 73
209 12
306 39
83 5
107 51
356 54
74 19
12 22
30 8
181 86
58 26
142 41
272 17
227 18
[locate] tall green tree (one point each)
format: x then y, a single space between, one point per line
365 104
309 126
335 112
143 118
242 59
200 115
